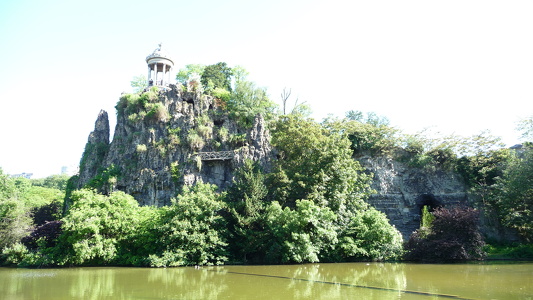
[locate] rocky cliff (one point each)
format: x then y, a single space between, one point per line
402 191
165 139
170 138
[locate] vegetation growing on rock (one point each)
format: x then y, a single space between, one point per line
149 199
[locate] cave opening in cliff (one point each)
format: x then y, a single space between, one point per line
428 200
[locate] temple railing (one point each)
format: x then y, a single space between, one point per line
218 155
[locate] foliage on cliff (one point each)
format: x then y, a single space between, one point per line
310 206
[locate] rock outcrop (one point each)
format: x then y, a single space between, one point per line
166 139
402 191
96 148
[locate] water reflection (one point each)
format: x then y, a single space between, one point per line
312 281
325 281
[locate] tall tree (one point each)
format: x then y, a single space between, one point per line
138 83
217 76
317 165
190 230
190 69
247 100
512 195
525 126
97 227
246 209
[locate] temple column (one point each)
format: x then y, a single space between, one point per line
155 74
149 74
163 78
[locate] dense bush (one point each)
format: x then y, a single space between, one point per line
96 227
46 213
512 194
44 235
453 236
315 163
189 232
15 221
301 234
368 236
368 135
246 207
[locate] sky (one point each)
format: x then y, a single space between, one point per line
458 67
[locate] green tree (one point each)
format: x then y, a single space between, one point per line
316 164
138 83
97 227
512 194
184 74
7 186
217 76
15 220
372 135
368 236
53 182
190 230
301 234
246 208
247 101
525 126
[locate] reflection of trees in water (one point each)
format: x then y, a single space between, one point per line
91 283
350 277
179 283
311 281
24 283
188 283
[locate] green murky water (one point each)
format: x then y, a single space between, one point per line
312 281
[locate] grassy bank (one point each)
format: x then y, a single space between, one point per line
513 251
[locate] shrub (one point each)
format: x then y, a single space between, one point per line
14 254
195 141
369 236
237 139
43 236
453 236
223 134
47 212
102 179
97 227
205 131
299 235
221 94
156 112
174 137
190 229
141 148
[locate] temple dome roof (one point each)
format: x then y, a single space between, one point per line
158 54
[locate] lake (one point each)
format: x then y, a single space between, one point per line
309 281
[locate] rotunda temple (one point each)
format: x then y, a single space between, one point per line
160 67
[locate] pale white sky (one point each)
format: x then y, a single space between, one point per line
460 66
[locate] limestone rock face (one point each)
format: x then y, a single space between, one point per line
169 139
402 191
96 148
